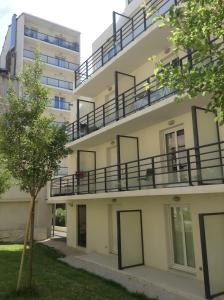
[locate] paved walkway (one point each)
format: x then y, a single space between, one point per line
166 285
59 244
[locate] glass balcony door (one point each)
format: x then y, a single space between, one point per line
176 163
182 238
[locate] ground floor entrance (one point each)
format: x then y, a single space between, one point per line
212 244
183 235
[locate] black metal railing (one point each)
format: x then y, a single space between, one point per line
55 61
125 104
57 83
132 100
128 32
51 39
188 167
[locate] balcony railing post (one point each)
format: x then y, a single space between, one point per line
190 58
87 71
126 175
189 167
75 79
88 182
73 184
121 39
101 54
73 131
104 122
148 93
123 104
78 182
139 175
144 18
60 184
153 173
87 119
51 188
105 179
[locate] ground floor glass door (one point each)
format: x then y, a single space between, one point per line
130 238
182 238
212 244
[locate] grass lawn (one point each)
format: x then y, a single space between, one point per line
54 280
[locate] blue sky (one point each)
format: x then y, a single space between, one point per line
88 17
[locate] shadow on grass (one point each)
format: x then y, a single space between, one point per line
54 279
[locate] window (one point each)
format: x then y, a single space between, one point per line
182 238
59 102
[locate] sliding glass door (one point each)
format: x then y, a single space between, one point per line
182 243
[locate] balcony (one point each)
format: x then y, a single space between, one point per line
189 167
131 30
57 83
131 100
58 62
60 104
51 39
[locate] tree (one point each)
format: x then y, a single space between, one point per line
4 177
197 28
31 143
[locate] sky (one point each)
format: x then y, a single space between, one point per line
90 17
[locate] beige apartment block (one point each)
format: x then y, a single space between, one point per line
59 48
145 183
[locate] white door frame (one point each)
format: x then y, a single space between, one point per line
170 235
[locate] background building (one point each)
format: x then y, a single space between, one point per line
59 48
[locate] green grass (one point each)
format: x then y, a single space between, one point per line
54 280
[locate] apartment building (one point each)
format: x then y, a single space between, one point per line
145 184
59 48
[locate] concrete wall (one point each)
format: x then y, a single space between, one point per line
155 224
14 208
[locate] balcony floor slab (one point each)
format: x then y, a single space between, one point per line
171 191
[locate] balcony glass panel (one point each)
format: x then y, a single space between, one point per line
57 83
59 103
51 39
51 60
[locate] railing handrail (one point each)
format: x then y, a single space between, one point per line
48 56
76 44
151 158
112 37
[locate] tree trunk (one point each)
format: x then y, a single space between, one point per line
26 236
30 271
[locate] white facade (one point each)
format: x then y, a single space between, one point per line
141 159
